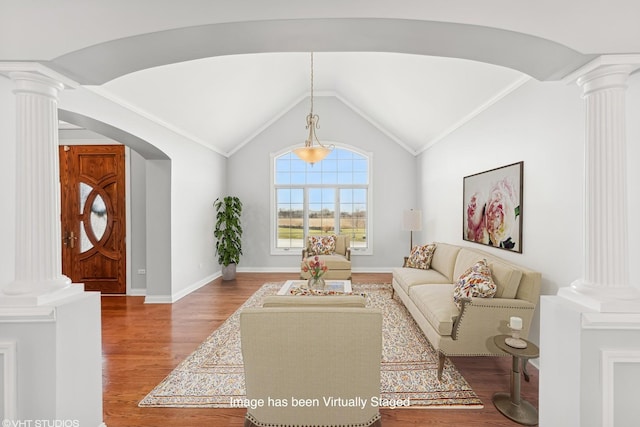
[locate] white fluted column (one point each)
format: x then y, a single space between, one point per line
38 254
605 283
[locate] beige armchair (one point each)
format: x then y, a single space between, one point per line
338 263
311 354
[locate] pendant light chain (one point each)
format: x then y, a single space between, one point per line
312 83
310 153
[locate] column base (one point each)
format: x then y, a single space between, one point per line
35 294
603 299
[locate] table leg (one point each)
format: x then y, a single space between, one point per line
524 369
515 380
511 405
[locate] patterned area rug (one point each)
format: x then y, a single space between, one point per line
212 375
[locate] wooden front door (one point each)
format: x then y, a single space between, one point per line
93 216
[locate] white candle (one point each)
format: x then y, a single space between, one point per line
515 323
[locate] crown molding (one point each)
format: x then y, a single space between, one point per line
375 124
324 94
485 105
155 119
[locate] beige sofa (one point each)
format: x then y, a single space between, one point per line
338 263
311 348
469 331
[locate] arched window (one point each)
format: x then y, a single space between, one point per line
329 197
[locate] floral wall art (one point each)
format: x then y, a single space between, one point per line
493 207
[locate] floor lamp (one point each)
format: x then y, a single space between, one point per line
412 221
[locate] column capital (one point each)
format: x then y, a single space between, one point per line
601 64
36 68
30 82
613 76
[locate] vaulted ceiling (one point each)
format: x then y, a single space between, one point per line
219 71
223 101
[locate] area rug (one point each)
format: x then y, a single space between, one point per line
213 374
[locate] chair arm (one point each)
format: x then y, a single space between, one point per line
485 316
305 255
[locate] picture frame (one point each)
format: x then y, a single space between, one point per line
492 207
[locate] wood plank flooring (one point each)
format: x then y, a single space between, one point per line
142 343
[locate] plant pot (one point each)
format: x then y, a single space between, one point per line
229 271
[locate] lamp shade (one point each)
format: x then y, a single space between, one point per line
312 154
412 220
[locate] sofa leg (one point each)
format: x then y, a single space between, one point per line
441 358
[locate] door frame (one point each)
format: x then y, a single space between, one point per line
127 197
158 169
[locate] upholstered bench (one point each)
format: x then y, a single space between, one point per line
311 347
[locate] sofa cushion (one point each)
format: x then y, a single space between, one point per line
466 259
343 242
444 260
475 282
333 262
420 256
314 301
506 278
435 303
408 277
322 245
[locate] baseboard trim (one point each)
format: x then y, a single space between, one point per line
268 269
170 299
195 286
137 292
158 299
297 270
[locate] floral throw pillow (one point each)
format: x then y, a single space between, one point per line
322 245
421 256
475 282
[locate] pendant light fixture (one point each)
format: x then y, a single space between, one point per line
311 153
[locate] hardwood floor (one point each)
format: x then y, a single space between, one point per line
142 343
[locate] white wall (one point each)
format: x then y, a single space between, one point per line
197 179
394 187
138 225
541 124
58 354
8 179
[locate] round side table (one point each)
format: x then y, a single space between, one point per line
510 404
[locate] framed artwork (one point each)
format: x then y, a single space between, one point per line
492 207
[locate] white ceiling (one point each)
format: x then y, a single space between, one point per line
223 102
234 91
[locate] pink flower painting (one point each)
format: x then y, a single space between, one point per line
492 207
476 222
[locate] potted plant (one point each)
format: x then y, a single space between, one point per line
228 233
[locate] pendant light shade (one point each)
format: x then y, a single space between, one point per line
313 150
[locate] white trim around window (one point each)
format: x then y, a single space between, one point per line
274 250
